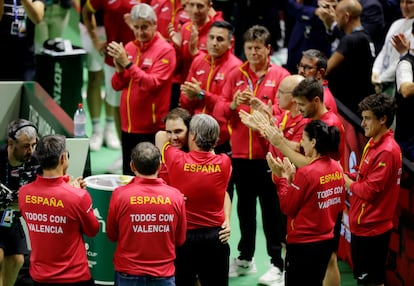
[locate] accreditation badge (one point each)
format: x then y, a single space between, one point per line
14 28
7 218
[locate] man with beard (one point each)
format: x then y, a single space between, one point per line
18 167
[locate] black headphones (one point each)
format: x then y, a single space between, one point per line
13 131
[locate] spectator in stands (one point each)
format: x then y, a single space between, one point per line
392 12
353 56
383 71
259 12
404 95
308 32
144 71
374 188
372 19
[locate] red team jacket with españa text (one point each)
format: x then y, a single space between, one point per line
147 220
202 177
313 200
57 216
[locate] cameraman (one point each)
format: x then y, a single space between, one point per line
17 168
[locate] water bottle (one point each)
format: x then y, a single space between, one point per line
79 119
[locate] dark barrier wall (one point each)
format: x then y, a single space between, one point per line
30 101
38 107
400 264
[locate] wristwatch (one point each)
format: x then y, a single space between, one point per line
201 94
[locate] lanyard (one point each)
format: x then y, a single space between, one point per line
15 10
282 125
173 12
21 180
356 29
364 154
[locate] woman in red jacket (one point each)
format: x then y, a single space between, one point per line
311 197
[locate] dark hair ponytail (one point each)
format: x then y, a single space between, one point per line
327 137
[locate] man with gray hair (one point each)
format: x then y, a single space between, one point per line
17 168
202 177
143 213
144 69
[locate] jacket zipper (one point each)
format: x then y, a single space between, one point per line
361 213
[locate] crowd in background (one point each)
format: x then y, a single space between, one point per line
214 58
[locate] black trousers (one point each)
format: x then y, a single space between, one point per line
306 262
203 256
253 181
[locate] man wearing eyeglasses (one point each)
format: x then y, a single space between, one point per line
17 168
57 216
314 64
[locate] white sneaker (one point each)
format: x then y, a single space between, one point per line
242 267
116 167
96 141
111 138
273 277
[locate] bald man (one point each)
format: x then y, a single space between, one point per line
290 121
349 67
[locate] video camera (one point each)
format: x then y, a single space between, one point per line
7 196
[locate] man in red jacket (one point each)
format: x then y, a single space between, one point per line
256 78
193 35
208 73
309 96
374 189
144 71
205 254
57 217
146 212
314 64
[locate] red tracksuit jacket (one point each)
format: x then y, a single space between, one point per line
375 193
57 216
146 86
184 54
147 220
313 200
248 144
212 74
